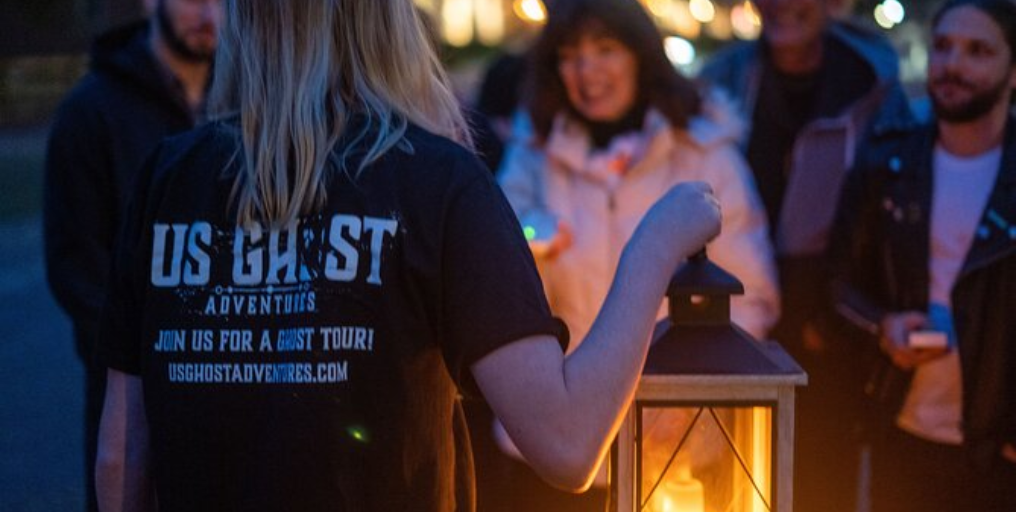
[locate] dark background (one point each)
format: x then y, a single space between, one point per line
41 27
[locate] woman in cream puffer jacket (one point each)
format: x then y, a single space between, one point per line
608 126
599 197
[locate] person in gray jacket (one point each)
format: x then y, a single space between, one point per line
813 90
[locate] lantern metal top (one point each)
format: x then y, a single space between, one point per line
699 276
700 339
696 350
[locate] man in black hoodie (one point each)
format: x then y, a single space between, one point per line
146 81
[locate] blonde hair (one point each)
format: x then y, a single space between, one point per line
296 71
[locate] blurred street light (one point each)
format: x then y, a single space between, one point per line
746 22
679 51
680 19
660 8
702 10
490 21
457 22
530 11
889 13
894 10
720 26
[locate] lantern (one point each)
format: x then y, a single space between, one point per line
711 426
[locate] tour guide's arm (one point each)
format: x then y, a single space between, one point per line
123 481
563 413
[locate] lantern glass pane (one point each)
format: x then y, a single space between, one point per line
705 459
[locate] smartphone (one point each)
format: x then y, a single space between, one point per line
927 339
539 228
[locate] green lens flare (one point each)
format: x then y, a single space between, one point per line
359 434
529 232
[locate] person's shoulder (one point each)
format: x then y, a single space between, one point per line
733 58
424 155
90 96
910 129
718 125
870 45
427 143
195 150
121 59
734 50
116 56
206 135
886 153
863 33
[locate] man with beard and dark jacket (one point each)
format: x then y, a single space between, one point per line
924 249
146 81
813 90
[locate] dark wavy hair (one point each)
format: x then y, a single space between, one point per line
1002 12
659 84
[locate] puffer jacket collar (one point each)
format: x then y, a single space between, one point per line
570 147
628 154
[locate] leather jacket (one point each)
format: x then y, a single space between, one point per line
880 252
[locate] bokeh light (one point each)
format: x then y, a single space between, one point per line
702 10
457 22
894 10
679 51
531 11
746 22
889 13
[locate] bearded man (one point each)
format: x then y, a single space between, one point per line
147 80
924 249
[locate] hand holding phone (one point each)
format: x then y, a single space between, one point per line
539 228
545 233
909 342
928 339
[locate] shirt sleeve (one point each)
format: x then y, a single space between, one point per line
492 293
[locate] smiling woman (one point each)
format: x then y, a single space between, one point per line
602 61
613 126
599 73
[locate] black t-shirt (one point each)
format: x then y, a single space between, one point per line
786 103
316 366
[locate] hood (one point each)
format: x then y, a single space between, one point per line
737 69
124 54
871 46
719 121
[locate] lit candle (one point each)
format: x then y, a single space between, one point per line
680 494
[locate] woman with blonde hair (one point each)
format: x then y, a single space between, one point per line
307 282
